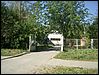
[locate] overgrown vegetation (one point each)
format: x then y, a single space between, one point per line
19 19
80 54
67 70
11 52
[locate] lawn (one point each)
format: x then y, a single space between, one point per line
80 54
11 52
67 70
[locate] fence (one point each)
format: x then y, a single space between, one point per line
94 43
76 44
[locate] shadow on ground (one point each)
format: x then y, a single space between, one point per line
45 48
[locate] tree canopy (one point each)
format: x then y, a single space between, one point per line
19 19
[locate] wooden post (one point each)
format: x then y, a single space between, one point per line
29 42
77 43
91 43
62 44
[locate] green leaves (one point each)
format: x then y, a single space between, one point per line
67 17
93 28
22 18
12 27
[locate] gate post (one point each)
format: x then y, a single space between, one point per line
91 43
62 44
29 42
77 43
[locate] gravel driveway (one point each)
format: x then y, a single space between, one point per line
30 63
27 63
73 63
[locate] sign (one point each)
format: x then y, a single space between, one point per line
56 39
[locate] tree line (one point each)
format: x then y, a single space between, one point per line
19 19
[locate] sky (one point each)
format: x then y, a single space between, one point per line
92 6
93 9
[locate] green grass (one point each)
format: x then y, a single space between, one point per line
80 54
11 52
67 70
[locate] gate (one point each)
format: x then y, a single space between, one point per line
32 42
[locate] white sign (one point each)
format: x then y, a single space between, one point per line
56 39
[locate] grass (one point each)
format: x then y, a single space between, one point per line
80 54
11 52
67 70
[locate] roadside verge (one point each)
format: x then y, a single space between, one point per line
8 57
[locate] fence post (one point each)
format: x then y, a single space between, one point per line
77 43
29 42
91 43
62 42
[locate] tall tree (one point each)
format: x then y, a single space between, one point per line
15 28
68 17
93 29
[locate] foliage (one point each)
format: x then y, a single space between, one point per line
19 19
68 17
93 29
14 27
86 55
87 41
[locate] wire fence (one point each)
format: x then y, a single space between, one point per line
77 44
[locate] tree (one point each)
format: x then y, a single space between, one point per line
68 17
4 26
22 18
14 26
93 29
19 22
41 28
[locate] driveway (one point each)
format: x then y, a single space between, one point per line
27 63
72 63
30 63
